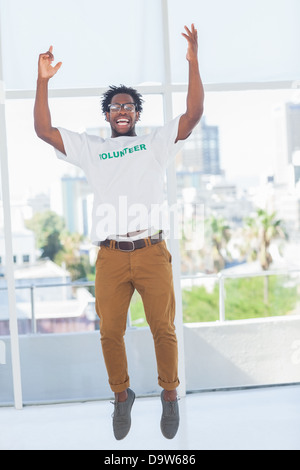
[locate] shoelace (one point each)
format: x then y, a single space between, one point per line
173 405
116 405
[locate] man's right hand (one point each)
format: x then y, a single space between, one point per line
45 69
42 117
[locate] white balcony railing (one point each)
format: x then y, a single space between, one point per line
34 309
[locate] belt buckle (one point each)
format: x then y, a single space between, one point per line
124 241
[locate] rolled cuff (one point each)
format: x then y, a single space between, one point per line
169 386
118 388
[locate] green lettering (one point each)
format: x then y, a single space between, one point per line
122 153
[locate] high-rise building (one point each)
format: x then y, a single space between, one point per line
201 152
76 192
287 122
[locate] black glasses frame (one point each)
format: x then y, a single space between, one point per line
120 106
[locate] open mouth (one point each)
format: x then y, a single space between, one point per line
123 122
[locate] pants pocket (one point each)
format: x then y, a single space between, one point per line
165 252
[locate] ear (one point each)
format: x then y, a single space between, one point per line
107 117
137 117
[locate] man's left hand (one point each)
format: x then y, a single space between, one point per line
192 39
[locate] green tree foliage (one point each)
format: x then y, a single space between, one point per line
58 245
47 227
76 263
217 233
260 231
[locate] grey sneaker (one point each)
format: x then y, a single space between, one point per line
122 416
170 417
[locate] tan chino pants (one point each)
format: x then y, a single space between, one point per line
118 274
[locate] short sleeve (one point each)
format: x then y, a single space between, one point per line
165 137
75 145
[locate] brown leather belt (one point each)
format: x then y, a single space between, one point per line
131 245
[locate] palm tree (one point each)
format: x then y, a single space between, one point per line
261 231
218 231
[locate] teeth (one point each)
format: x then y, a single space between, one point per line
122 122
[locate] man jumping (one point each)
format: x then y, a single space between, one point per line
124 171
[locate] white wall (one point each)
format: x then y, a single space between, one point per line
241 353
233 354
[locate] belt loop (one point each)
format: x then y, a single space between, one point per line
111 245
149 241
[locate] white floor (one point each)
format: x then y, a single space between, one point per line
265 418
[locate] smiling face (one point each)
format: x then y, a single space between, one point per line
122 122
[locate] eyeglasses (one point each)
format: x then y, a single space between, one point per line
116 107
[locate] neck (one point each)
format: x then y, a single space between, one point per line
131 133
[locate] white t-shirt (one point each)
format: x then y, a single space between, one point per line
126 175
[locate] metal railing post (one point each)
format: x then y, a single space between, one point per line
221 298
33 318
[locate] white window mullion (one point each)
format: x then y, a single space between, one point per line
9 268
172 199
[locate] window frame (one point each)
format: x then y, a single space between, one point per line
166 90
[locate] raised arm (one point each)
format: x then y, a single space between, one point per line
195 96
42 117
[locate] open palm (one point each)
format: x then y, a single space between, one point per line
192 38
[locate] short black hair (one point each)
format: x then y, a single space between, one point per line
116 90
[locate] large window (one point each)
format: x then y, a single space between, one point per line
242 157
240 166
237 175
51 205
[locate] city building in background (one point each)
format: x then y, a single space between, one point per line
281 192
287 118
76 210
